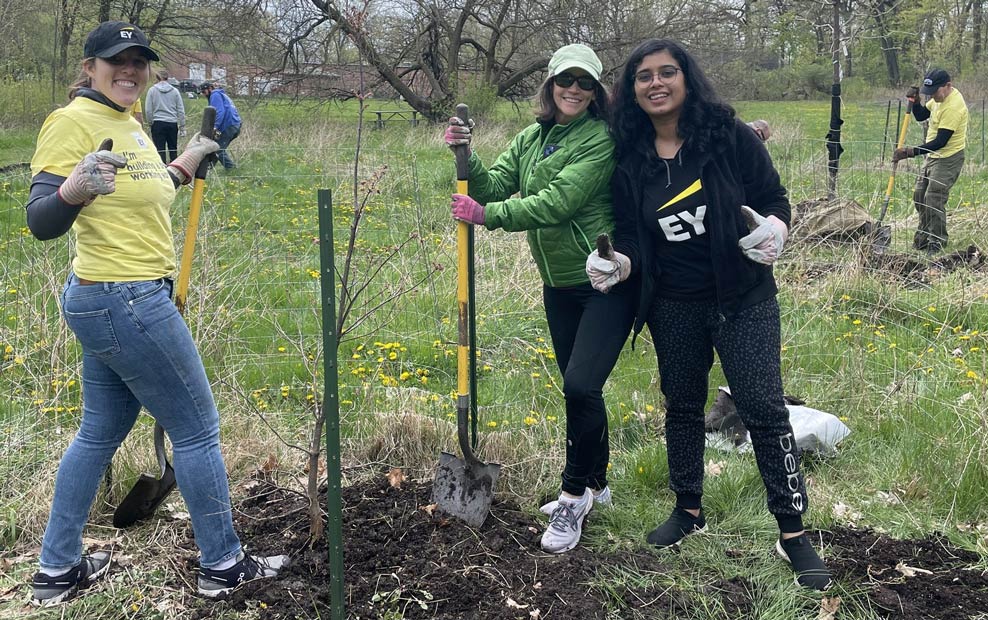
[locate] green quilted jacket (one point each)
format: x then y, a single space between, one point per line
554 183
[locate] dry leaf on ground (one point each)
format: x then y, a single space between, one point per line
828 608
396 477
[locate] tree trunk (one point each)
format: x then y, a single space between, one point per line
977 27
889 49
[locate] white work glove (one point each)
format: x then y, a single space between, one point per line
767 237
604 273
198 148
458 133
95 175
181 132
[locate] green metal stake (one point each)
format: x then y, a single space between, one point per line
331 404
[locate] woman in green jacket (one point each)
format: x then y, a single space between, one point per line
554 183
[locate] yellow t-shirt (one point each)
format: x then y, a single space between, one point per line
123 236
136 108
950 114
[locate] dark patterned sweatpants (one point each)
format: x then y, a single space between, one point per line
686 335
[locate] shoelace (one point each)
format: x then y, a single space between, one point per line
562 518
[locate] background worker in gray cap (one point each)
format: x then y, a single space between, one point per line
944 151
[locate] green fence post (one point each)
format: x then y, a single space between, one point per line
331 404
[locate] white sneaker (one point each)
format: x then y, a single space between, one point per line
566 523
602 497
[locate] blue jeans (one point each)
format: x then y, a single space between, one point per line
227 136
138 351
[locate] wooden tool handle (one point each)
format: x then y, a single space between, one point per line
604 248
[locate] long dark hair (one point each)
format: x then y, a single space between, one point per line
704 122
545 105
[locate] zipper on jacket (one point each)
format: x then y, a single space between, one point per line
538 242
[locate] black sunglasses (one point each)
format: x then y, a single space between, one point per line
565 80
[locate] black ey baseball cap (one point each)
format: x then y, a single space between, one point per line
110 38
934 80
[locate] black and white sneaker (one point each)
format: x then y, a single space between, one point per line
810 570
50 590
678 526
213 583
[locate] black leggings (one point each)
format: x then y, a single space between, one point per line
165 138
588 331
685 335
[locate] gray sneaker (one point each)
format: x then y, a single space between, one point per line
566 523
213 583
602 497
50 590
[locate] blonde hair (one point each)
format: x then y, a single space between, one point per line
161 74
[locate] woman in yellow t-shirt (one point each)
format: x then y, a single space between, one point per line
137 349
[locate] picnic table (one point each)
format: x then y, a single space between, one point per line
412 116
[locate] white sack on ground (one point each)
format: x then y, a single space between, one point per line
814 430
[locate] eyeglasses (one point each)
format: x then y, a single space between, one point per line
666 74
565 80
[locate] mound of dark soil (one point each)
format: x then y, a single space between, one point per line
402 561
943 587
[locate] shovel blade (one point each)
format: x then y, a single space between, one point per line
464 491
881 239
144 498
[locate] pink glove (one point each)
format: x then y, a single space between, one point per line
466 209
767 237
95 175
458 133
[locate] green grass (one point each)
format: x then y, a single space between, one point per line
904 366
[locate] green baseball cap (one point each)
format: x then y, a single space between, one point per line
575 55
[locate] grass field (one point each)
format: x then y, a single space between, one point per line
902 361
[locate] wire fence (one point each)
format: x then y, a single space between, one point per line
254 310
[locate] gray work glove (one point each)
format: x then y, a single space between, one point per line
94 176
458 133
604 273
762 129
767 237
198 148
913 94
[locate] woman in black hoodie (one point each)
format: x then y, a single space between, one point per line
701 214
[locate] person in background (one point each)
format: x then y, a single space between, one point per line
946 139
227 121
553 183
166 111
701 216
136 112
137 349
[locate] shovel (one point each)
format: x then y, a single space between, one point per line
148 493
882 235
464 488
